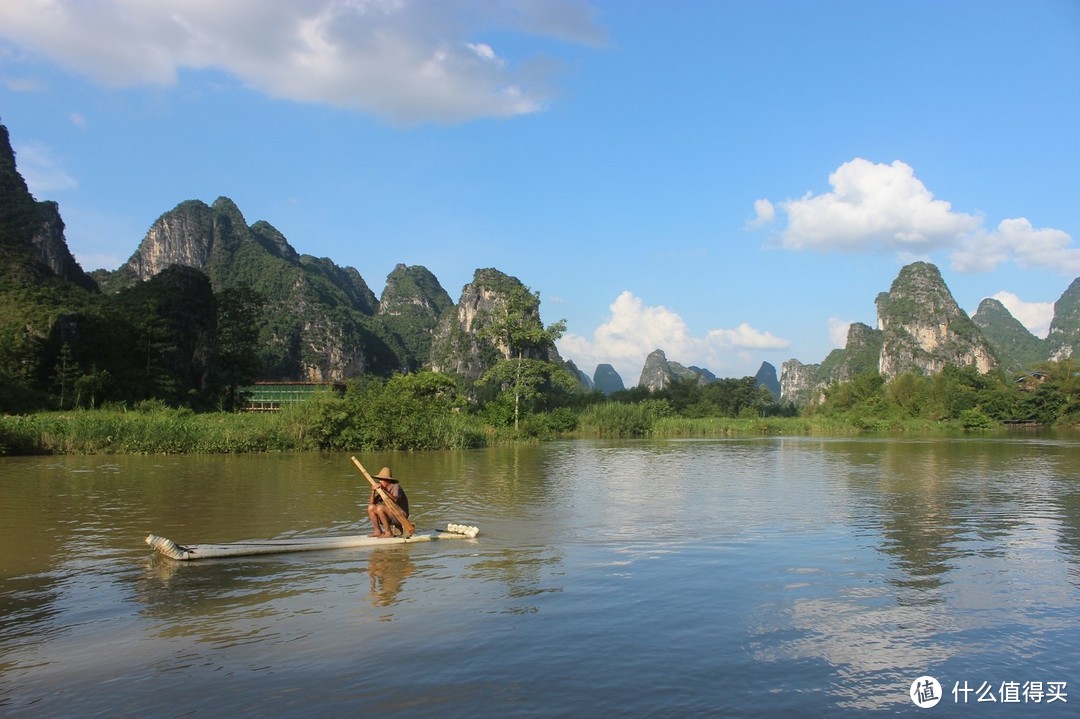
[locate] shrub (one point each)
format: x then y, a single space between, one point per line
975 419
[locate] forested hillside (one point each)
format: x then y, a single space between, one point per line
207 303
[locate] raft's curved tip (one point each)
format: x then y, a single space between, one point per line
166 546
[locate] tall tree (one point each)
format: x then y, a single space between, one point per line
65 374
522 339
236 360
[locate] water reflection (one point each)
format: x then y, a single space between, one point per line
938 502
215 592
388 569
523 572
968 531
827 572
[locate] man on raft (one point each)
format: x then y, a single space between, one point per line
379 514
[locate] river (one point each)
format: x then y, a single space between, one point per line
757 577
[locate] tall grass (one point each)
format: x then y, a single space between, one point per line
305 427
330 425
158 432
615 419
729 426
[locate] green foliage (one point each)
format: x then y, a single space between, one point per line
1057 399
957 395
910 392
952 391
418 412
559 421
429 411
622 419
524 386
721 398
1015 346
161 431
407 412
522 375
865 392
20 354
171 319
91 386
236 356
975 419
64 374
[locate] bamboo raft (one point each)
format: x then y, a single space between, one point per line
190 552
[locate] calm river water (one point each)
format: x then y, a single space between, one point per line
747 577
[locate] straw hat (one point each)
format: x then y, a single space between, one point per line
384 473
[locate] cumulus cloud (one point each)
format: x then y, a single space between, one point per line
838 331
764 213
405 60
43 171
634 330
1018 241
23 84
874 206
1036 316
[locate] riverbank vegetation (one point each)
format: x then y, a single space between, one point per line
427 410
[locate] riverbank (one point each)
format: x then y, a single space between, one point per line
157 432
181 431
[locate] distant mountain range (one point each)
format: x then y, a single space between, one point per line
319 321
158 327
922 329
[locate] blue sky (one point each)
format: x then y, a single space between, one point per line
731 182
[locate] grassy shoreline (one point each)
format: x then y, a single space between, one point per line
167 431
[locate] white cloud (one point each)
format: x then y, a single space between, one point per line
1036 316
23 84
838 331
744 337
42 170
405 60
1017 240
91 262
874 206
764 213
634 330
482 50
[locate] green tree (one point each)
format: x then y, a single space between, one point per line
236 356
172 318
521 338
953 390
865 393
65 374
531 385
20 356
908 391
1057 399
91 387
405 412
